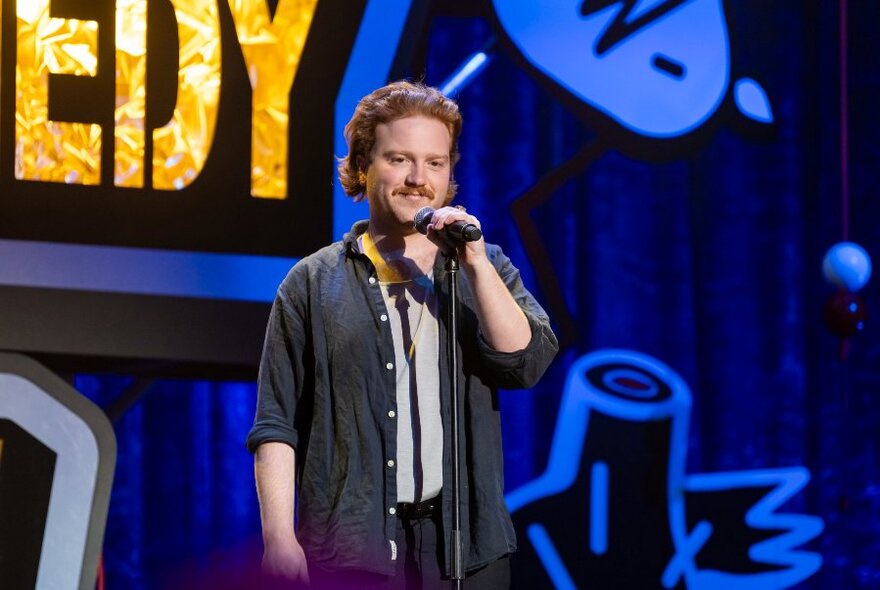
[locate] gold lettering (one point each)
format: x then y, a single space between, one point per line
131 92
181 147
47 150
272 50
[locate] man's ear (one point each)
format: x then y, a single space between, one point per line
361 164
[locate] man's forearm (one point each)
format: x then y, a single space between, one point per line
502 322
274 471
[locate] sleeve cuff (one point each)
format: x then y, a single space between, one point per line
511 360
263 433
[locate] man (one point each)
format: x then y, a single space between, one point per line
354 411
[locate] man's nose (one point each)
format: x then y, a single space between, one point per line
416 176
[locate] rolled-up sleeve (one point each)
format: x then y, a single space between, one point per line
281 384
521 368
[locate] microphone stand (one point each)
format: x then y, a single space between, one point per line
452 339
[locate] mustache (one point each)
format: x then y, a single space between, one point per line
422 191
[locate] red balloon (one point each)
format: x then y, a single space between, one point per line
845 313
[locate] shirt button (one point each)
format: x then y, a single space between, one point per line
372 280
392 511
391 413
389 366
383 317
390 462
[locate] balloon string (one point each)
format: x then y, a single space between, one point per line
844 122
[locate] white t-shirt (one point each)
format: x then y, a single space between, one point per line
412 310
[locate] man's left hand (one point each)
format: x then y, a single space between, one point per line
470 253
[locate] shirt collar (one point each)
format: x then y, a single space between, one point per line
350 239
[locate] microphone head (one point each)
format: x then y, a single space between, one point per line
423 219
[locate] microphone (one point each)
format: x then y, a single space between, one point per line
457 232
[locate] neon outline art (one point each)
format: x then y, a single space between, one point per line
622 393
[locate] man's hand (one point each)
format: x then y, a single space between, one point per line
470 253
286 561
502 322
274 469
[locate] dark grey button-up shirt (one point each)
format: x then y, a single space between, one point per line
327 388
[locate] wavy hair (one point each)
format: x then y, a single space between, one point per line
395 101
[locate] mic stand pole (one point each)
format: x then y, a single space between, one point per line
452 341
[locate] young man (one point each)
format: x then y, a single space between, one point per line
354 411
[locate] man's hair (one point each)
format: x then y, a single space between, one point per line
395 101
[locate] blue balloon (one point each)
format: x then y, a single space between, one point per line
847 265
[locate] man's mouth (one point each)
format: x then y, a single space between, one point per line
413 194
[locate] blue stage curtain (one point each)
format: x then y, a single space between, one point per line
709 261
183 511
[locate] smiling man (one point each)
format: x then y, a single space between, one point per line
353 412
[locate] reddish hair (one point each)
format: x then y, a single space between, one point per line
397 100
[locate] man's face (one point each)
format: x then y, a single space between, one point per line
409 169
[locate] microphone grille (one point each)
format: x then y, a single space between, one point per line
423 219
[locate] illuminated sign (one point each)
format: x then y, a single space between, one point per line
617 469
167 162
648 75
658 68
56 151
197 125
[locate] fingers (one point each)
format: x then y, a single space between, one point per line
472 253
446 215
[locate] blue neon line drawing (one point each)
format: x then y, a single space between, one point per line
657 69
622 434
752 101
550 558
599 508
682 564
780 549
